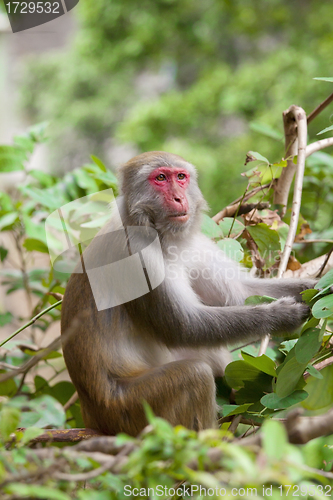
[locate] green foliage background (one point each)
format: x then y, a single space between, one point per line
229 65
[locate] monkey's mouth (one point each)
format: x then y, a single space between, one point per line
181 217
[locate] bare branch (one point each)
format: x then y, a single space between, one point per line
320 366
317 146
31 322
319 108
65 435
219 216
295 125
300 119
71 401
245 208
53 346
282 186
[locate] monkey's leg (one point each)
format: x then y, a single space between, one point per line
182 392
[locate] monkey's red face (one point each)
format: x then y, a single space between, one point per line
171 184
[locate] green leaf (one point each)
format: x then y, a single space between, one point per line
237 372
8 387
20 490
31 244
314 372
232 248
45 179
308 345
325 79
325 281
267 240
262 363
84 180
264 129
255 300
44 411
5 318
210 228
44 197
3 253
287 345
11 158
109 179
9 421
320 390
8 220
232 226
258 156
33 230
310 323
98 162
289 376
323 308
264 236
30 434
308 295
234 409
274 402
250 382
274 439
327 129
37 132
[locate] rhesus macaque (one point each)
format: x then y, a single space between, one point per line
166 346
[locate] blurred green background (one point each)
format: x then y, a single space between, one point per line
191 77
195 78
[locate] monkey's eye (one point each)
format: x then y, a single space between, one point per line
181 177
161 177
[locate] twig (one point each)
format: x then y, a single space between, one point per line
327 258
317 146
249 195
234 423
32 361
300 429
71 401
85 476
300 119
282 186
53 346
35 318
64 435
303 429
320 366
313 241
294 123
319 108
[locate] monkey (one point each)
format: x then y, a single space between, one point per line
166 346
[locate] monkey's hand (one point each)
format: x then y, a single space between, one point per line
285 315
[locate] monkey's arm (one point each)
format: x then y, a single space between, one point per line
221 281
174 315
279 287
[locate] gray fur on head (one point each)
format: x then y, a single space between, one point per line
143 204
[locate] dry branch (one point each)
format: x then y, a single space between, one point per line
65 435
244 208
319 108
295 127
